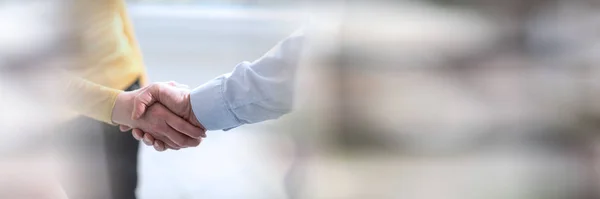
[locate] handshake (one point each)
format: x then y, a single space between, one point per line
161 115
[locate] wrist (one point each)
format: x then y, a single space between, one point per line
192 117
121 113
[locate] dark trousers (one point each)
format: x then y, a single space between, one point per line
101 160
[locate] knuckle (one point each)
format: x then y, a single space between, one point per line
148 137
153 85
157 86
137 99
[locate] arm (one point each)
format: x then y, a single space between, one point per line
115 106
90 99
253 92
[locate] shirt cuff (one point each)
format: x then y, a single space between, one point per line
210 108
112 101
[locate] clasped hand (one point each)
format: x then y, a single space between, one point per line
168 124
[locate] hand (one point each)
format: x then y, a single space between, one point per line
158 121
175 97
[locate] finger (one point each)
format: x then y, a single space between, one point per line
159 146
171 145
142 101
193 142
204 134
124 128
185 127
148 139
158 140
166 141
137 134
161 143
178 138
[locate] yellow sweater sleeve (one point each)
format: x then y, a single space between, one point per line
90 99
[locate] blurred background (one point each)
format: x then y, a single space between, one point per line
395 99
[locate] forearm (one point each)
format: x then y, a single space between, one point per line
253 92
90 99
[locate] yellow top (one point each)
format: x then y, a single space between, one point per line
111 58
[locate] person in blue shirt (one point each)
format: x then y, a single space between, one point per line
254 92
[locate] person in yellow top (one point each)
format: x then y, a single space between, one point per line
110 63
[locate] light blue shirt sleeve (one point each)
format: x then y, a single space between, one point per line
253 92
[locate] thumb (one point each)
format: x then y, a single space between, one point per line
145 99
